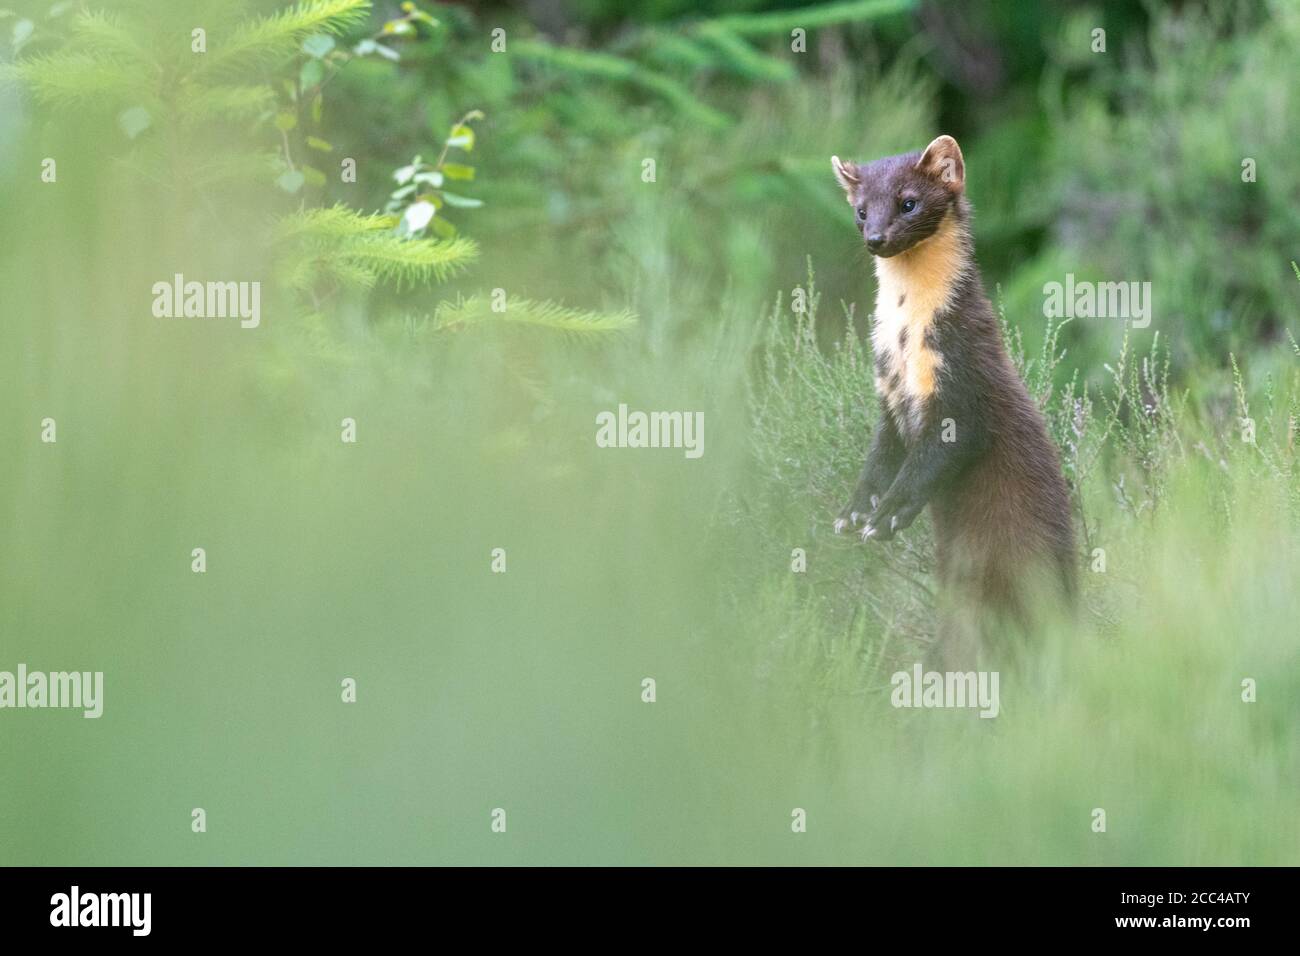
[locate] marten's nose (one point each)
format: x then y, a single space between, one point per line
875 241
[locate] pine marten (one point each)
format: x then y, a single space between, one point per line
957 428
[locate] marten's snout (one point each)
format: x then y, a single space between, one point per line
875 241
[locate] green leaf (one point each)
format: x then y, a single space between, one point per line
291 180
417 14
417 216
398 28
311 74
458 171
463 202
22 32
462 137
443 228
134 121
318 45
430 178
313 176
286 120
315 142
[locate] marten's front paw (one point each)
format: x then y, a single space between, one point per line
854 514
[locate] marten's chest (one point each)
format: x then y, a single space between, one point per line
905 340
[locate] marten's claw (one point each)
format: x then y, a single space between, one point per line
878 530
881 529
849 519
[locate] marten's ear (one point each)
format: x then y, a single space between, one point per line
848 175
942 160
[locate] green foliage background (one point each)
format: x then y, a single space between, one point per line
522 690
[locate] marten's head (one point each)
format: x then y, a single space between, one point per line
901 200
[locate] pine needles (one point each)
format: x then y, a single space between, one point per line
478 309
270 40
346 248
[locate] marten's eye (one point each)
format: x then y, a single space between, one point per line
908 205
862 215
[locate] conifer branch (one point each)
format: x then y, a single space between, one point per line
268 39
478 309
